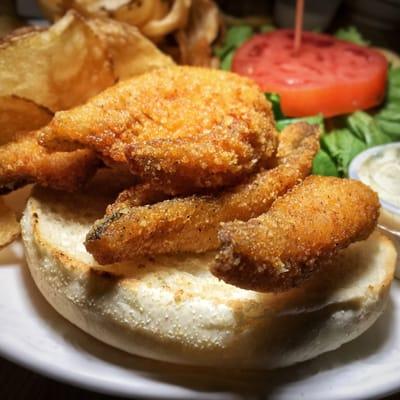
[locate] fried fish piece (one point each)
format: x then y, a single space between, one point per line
24 161
139 195
282 247
178 127
191 223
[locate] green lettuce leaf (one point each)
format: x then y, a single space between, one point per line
391 128
354 133
226 62
365 128
323 164
388 118
391 112
266 28
351 34
234 38
275 100
313 120
342 146
282 121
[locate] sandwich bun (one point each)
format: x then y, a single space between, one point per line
171 308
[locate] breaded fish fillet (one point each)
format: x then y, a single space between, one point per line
192 223
179 127
279 249
138 195
24 161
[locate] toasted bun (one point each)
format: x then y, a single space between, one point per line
171 308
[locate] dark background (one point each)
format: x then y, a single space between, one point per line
377 20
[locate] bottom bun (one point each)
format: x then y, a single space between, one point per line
171 308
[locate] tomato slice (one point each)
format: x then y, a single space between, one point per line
328 75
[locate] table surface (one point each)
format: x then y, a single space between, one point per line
17 383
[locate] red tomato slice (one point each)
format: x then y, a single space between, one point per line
327 76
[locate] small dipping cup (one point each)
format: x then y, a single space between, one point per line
389 220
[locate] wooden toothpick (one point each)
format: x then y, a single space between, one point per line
298 26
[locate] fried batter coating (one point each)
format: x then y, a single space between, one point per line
179 127
139 195
143 194
24 161
279 249
191 223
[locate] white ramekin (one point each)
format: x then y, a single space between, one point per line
389 220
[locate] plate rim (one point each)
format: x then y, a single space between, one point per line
140 387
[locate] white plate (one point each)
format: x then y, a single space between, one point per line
34 335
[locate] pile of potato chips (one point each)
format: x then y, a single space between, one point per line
43 71
91 45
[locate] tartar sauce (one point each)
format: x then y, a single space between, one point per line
379 167
381 171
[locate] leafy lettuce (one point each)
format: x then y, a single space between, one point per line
358 132
351 34
234 37
388 117
348 135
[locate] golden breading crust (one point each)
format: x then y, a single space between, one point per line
24 161
192 223
139 195
279 249
179 127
